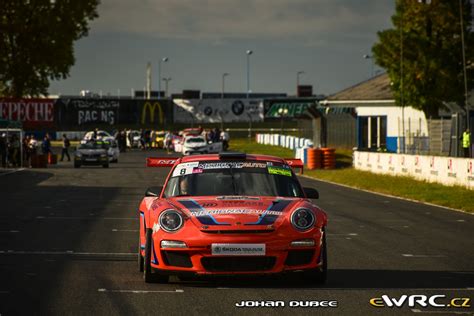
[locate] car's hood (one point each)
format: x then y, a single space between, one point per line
235 212
195 145
91 151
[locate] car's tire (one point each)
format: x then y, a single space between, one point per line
105 165
148 274
141 260
77 165
319 275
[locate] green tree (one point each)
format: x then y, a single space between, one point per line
37 42
430 34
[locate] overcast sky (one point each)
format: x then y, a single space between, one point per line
205 38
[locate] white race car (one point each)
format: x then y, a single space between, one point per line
198 145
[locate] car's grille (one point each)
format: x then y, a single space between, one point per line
90 156
238 264
299 257
242 231
177 259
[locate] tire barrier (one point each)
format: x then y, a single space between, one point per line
314 158
329 158
39 161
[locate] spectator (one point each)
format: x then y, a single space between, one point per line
217 135
15 150
3 149
65 149
94 134
46 145
33 145
225 138
466 142
210 136
26 151
168 140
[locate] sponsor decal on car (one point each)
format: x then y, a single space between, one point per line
238 249
279 171
235 211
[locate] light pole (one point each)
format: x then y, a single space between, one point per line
282 112
298 80
225 74
249 52
166 80
464 61
367 56
164 59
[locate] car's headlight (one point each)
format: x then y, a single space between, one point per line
302 219
171 220
78 155
103 155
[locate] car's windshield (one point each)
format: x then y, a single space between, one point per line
195 140
258 178
93 145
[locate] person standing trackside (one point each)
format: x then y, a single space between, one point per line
3 149
466 142
46 145
65 150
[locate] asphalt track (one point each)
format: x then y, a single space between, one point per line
68 241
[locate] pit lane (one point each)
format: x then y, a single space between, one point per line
68 242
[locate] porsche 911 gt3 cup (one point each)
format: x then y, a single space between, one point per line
230 214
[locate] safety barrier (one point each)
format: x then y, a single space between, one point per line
444 170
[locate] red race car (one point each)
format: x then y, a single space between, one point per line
230 213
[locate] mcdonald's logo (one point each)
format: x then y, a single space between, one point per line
150 108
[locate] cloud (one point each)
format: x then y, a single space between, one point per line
217 20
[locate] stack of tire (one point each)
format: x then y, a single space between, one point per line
329 158
314 157
39 161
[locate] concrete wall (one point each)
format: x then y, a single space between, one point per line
444 170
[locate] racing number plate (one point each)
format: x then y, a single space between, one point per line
238 249
91 159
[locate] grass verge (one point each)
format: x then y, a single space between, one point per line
454 197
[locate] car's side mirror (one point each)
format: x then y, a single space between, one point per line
153 191
311 193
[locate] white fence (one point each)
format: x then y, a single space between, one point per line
444 170
298 144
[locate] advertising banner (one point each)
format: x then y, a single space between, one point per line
89 112
32 113
156 113
217 110
294 108
444 170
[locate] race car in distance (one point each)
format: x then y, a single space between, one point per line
230 213
198 145
92 153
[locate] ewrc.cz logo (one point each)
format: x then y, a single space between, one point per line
411 301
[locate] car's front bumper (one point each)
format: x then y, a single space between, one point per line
91 161
197 257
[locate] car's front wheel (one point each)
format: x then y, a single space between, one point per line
141 261
148 274
320 274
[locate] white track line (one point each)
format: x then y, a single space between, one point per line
85 218
9 231
138 291
11 171
409 255
67 252
386 195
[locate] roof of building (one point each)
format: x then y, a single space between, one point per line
374 89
